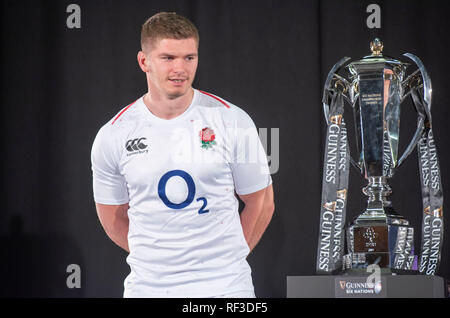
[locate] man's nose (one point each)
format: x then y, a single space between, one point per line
178 65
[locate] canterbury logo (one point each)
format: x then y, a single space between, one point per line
135 144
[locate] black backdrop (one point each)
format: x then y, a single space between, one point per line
59 85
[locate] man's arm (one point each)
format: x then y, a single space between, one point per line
114 219
257 213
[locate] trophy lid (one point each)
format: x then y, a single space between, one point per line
377 60
376 46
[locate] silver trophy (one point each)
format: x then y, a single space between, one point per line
375 87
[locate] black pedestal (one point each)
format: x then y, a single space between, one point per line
399 286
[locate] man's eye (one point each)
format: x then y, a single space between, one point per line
190 58
167 58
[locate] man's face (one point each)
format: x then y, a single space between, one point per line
171 66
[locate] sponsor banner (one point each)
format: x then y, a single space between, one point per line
432 197
334 192
359 287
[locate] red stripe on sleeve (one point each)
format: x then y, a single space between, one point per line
123 111
216 98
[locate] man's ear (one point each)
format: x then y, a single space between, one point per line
142 61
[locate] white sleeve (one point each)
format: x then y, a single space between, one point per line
249 161
109 185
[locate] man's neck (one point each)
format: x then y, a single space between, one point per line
167 108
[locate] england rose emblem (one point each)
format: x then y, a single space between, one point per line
207 137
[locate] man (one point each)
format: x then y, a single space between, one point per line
165 170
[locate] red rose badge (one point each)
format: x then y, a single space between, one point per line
207 137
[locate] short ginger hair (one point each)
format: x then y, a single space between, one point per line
167 25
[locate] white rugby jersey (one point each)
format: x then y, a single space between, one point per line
179 177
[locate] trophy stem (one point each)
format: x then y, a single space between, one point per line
377 190
379 209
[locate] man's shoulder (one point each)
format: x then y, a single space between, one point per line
119 126
207 99
127 114
228 109
126 117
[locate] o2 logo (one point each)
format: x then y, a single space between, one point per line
191 191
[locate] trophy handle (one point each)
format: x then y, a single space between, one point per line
426 79
327 87
414 141
422 105
327 94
